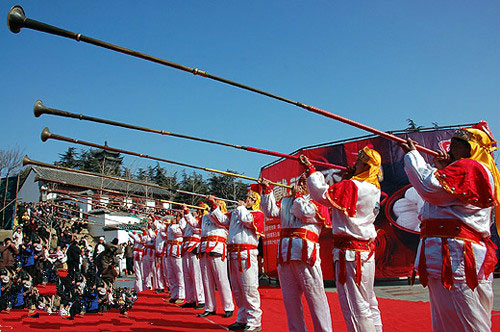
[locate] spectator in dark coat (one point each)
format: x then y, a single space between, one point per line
129 257
7 254
73 253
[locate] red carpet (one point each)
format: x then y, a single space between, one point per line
151 313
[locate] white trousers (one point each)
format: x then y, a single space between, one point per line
192 278
297 278
460 308
175 278
214 272
358 303
164 272
147 267
245 286
158 273
138 285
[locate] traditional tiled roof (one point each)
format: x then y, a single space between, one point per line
84 181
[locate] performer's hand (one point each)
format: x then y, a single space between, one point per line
408 146
442 160
349 173
264 183
304 161
211 199
241 203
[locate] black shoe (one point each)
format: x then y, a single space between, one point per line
172 300
188 305
236 326
159 291
228 314
206 313
200 306
37 315
252 329
69 318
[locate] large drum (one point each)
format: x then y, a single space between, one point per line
402 209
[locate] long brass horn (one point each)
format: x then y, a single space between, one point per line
39 108
18 20
46 134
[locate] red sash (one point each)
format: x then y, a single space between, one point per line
172 244
239 247
350 243
455 229
187 239
216 239
149 250
299 233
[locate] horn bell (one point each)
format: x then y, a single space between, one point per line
46 134
16 18
26 160
38 108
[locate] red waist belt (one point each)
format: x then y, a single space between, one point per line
187 239
172 244
140 251
216 239
350 243
149 250
455 229
298 233
239 247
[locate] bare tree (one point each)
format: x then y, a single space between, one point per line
11 161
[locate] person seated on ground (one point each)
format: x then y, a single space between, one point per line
29 291
5 285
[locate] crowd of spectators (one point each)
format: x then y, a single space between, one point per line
46 247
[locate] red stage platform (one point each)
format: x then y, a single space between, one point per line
151 313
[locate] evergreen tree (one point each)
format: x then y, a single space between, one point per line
69 159
194 183
226 186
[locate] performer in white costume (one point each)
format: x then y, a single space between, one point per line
245 227
148 257
159 279
299 263
355 204
138 251
213 264
456 257
195 296
174 259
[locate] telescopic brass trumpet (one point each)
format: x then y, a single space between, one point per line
39 108
17 19
28 161
46 134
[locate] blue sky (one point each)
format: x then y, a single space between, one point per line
379 63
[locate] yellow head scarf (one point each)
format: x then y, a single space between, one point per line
222 206
482 145
204 206
256 204
374 174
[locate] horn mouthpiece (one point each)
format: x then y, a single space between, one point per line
38 108
46 134
16 18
